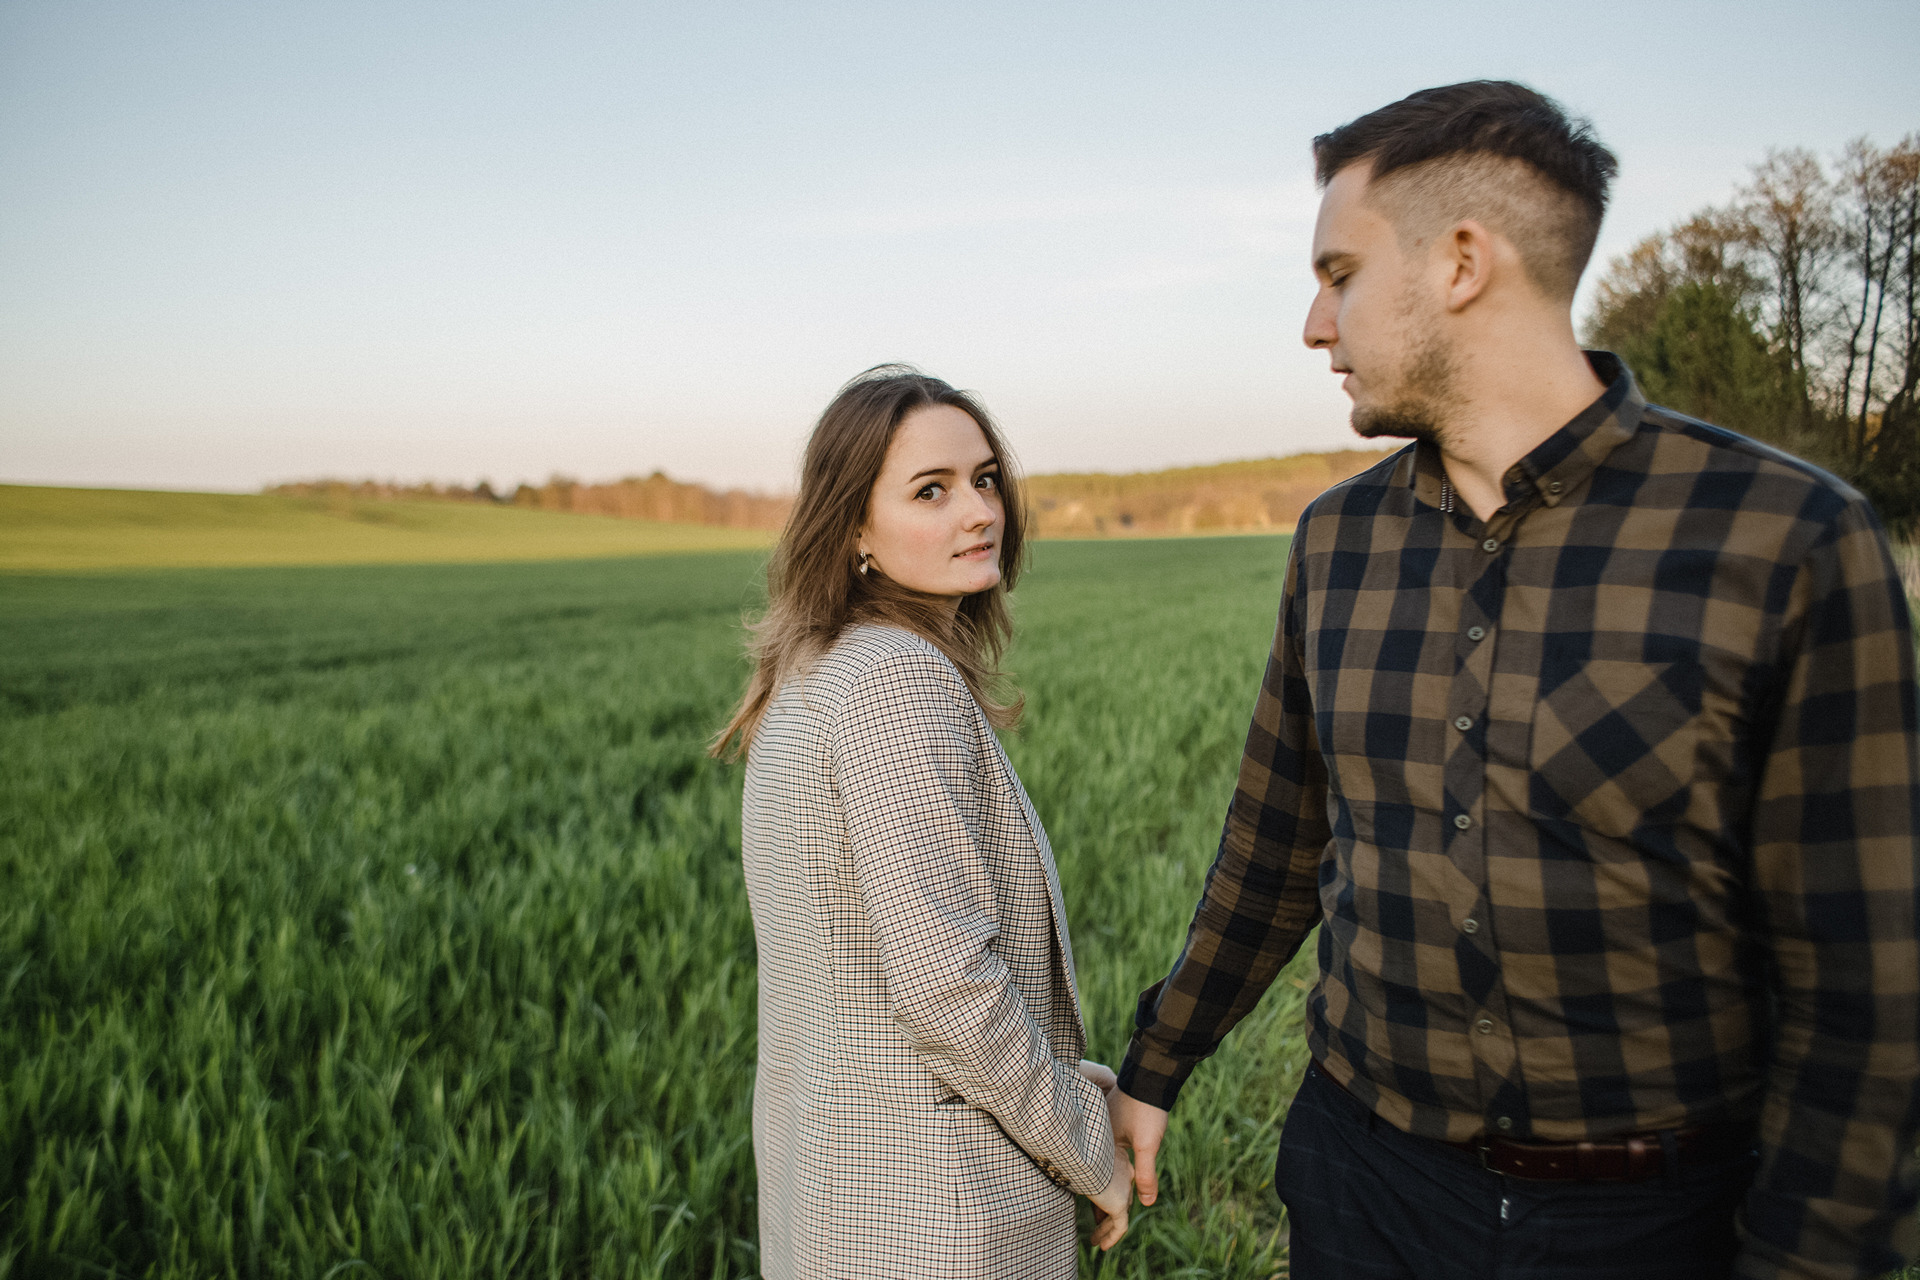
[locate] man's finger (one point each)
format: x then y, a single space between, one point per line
1145 1180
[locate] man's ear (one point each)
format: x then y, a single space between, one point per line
1469 254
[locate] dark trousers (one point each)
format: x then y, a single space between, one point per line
1368 1202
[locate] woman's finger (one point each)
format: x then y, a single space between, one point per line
1108 1230
1099 1074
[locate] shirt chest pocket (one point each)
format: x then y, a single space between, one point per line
1614 744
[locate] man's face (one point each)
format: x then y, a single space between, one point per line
1374 318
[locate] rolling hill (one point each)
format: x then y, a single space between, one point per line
56 529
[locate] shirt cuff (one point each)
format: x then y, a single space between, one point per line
1147 1074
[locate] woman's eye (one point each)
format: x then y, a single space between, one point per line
988 481
931 491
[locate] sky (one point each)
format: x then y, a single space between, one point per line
246 243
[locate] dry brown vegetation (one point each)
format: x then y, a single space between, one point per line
1264 494
1229 497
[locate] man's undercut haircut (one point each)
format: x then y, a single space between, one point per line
1490 150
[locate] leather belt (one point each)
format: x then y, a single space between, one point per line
1634 1157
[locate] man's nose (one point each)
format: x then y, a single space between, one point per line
1320 331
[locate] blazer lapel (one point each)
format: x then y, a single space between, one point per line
1044 852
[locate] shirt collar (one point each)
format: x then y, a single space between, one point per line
1558 464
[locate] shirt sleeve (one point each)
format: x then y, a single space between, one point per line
1262 893
905 752
1834 872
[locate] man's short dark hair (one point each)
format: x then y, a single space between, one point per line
1467 150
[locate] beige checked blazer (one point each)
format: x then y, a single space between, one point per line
919 1110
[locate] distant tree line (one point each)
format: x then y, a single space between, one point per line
656 497
653 497
1792 314
388 491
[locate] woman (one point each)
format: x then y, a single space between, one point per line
921 1108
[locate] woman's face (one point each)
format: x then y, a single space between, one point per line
935 516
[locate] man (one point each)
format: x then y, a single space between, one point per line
1588 739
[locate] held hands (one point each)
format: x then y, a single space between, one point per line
1111 1205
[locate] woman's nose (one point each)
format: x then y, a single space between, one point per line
983 512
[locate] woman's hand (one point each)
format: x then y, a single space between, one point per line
1110 1206
1100 1074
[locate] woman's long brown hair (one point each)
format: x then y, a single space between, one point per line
815 589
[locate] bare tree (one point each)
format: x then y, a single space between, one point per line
1787 212
1899 187
1857 227
1889 439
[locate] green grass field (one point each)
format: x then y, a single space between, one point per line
53 529
388 921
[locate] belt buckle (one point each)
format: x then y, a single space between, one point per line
1484 1149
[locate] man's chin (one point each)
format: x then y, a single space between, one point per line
1390 424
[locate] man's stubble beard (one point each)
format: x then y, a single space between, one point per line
1423 404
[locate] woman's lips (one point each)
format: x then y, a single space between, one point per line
974 552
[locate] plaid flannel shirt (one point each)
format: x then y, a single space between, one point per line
1607 809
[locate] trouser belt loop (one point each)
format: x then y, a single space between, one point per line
1670 1153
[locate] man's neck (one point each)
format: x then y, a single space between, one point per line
1514 401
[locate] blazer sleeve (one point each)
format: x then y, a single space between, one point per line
905 757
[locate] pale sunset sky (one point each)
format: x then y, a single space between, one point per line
244 243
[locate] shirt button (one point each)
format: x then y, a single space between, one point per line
1504 1123
1469 925
1462 821
1554 486
1484 1026
1464 723
1476 633
1490 546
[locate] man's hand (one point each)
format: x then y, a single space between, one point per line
1139 1127
1111 1205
